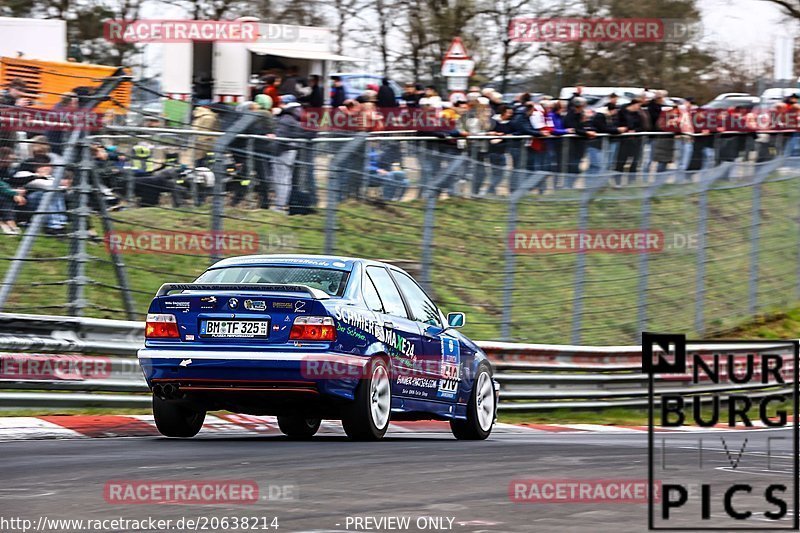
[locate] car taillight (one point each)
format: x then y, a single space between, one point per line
161 327
313 328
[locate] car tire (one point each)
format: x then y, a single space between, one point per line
480 409
177 418
367 418
298 427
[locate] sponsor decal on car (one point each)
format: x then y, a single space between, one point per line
363 321
451 368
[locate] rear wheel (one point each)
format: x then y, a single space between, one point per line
298 427
368 416
480 410
177 418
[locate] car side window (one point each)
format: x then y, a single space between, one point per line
371 297
387 290
422 308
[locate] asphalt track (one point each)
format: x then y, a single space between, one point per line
415 475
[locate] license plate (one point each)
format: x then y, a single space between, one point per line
234 328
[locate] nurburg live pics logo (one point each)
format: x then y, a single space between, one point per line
712 478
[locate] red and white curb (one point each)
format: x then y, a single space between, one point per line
226 424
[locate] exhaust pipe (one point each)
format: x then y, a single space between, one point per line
170 391
158 390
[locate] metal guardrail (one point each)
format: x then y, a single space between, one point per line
83 362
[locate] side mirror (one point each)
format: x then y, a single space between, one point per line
456 320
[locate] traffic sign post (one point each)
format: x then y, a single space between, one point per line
457 67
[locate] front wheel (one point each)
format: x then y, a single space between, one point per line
368 416
298 427
480 410
177 418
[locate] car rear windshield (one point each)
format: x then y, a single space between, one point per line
331 281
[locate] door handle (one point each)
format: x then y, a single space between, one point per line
388 325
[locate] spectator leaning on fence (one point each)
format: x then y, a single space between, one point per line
264 148
500 126
477 121
634 119
576 122
604 121
663 145
289 126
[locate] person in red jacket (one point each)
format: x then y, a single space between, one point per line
271 84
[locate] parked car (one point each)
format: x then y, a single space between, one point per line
308 338
777 94
730 100
356 83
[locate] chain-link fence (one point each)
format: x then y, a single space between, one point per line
581 251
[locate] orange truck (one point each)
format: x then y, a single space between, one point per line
49 81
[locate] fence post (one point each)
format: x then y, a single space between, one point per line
337 186
761 174
220 147
580 262
644 255
310 151
70 155
755 233
531 180
116 257
430 192
78 258
700 288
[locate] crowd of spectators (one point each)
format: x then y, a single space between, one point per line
506 139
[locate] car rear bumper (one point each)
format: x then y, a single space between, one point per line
268 372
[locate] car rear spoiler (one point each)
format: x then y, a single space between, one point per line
253 287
